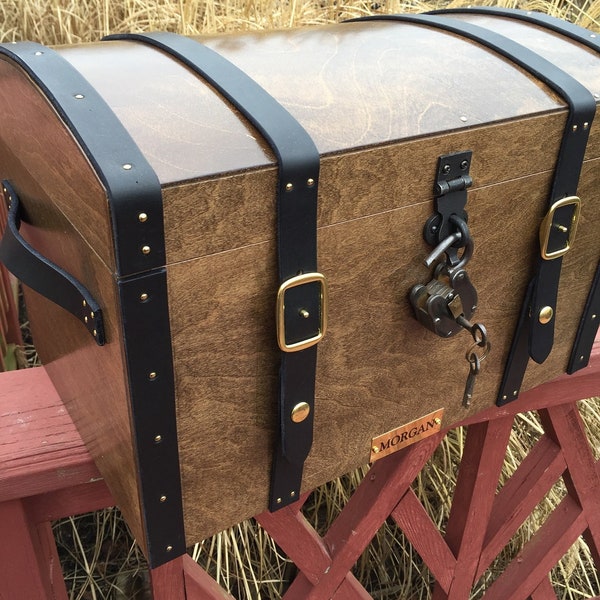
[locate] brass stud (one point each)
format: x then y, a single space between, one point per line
515 392
300 412
375 449
581 358
289 187
586 126
546 315
304 313
127 167
169 548
157 439
292 494
279 500
438 421
79 96
163 498
38 53
142 217
152 375
95 333
92 314
575 128
85 319
594 317
143 297
145 249
84 303
310 182
505 397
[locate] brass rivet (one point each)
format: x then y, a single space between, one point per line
127 167
163 498
289 187
145 249
142 217
292 494
143 297
79 96
375 449
594 317
304 313
169 548
581 358
575 128
504 397
546 315
92 314
38 53
84 303
515 392
279 500
157 439
300 412
85 319
95 333
585 126
152 375
310 182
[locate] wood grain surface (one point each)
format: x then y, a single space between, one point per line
382 102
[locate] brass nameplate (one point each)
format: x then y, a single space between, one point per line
408 434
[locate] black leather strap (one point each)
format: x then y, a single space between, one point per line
43 276
588 328
301 317
558 225
588 324
135 205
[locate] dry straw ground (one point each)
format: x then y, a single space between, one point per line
99 558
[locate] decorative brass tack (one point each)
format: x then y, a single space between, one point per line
169 548
157 439
145 249
142 217
292 494
92 314
304 313
594 317
143 297
546 315
515 392
575 128
505 397
375 449
38 53
300 412
85 319
95 333
581 358
585 126
310 182
289 187
152 375
127 167
278 500
84 303
79 96
163 498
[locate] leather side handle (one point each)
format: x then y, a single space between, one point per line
43 276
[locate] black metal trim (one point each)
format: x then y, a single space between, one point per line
298 160
543 290
45 277
135 200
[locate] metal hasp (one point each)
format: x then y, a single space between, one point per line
450 293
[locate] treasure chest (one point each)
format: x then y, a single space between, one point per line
255 262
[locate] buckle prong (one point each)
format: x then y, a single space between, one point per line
293 282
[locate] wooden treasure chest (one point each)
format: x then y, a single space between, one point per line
255 262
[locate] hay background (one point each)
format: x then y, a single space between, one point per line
99 558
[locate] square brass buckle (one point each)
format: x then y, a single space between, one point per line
547 224
280 311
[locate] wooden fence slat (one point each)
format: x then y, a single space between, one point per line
534 477
546 547
425 538
199 585
168 582
544 591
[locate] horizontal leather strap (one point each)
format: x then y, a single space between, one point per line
43 276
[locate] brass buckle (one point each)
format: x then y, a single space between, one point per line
546 227
280 311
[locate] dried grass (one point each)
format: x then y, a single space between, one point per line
99 557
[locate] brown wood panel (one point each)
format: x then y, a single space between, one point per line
351 86
40 157
221 214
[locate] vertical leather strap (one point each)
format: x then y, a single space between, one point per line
589 321
535 330
301 317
